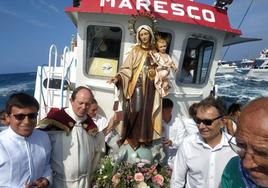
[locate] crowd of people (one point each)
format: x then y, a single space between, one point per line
65 147
208 148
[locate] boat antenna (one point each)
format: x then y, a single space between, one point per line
227 49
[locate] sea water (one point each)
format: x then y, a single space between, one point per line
19 82
240 88
232 88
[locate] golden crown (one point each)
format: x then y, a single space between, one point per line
132 23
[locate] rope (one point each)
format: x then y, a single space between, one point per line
227 49
41 88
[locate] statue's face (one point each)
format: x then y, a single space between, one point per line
144 36
162 47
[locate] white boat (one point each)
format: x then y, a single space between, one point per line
104 28
260 69
245 66
224 67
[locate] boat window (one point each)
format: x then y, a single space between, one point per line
103 50
258 63
196 62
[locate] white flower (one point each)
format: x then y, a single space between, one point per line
145 161
142 185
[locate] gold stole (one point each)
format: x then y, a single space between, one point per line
132 83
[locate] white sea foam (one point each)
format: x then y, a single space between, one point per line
226 76
241 88
257 79
226 84
7 90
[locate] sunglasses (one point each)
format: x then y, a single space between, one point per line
21 117
207 122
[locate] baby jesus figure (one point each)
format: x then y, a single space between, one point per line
164 64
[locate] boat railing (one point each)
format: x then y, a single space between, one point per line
53 56
56 72
65 73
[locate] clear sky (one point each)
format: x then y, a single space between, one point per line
29 27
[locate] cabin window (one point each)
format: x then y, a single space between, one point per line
196 62
103 50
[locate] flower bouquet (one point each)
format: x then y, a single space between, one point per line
141 174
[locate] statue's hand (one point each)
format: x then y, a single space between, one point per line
113 80
166 142
174 67
151 73
112 124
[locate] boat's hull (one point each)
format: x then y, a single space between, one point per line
258 73
230 69
242 70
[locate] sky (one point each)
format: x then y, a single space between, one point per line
29 27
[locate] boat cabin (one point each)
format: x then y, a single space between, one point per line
195 33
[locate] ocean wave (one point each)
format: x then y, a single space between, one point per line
257 79
19 87
240 88
226 76
226 85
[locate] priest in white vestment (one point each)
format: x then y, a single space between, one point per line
76 142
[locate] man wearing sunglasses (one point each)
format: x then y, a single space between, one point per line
202 157
250 168
24 150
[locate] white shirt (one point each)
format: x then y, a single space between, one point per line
173 130
190 126
75 155
234 126
100 121
24 159
199 164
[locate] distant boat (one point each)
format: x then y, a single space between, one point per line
244 66
260 69
226 67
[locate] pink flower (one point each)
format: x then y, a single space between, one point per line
129 177
153 167
116 179
138 177
140 165
144 170
158 179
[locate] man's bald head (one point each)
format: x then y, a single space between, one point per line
254 115
252 136
257 104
